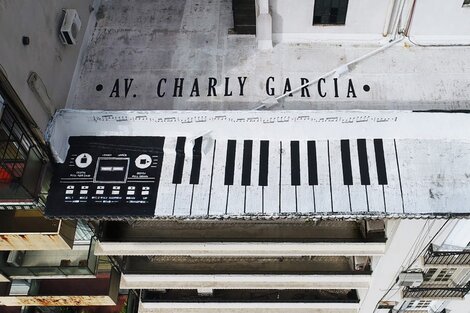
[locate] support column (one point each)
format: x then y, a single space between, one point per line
264 25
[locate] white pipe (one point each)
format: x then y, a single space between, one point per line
396 25
269 102
388 19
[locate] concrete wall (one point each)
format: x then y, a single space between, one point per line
365 20
45 55
441 22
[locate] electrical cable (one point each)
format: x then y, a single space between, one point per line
436 45
344 68
429 242
409 266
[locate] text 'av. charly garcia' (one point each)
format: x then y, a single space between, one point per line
236 86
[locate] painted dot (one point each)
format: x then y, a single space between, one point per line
366 88
99 87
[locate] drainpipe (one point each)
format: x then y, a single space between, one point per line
410 19
389 17
264 25
396 24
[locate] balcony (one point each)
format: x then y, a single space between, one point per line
434 293
241 238
102 290
77 263
156 272
30 230
235 300
440 259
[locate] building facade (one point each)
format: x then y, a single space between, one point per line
70 69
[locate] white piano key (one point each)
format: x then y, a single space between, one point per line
166 190
339 189
201 194
254 200
236 192
322 191
184 191
218 203
393 197
305 200
271 191
375 192
288 192
357 191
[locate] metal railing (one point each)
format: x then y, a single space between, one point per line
435 292
22 162
446 257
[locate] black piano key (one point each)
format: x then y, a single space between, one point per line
263 163
246 166
363 163
346 162
179 161
312 163
230 162
196 166
380 161
295 163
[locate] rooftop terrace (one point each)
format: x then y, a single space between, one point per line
182 54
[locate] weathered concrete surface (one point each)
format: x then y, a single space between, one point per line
150 40
45 54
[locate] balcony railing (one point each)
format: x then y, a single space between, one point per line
84 268
459 258
22 163
435 292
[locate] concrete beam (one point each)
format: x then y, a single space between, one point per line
249 307
241 248
224 281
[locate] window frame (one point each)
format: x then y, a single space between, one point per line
321 5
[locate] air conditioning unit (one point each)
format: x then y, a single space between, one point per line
70 27
15 258
410 279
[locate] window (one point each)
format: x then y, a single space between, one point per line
438 277
22 162
330 12
444 275
418 305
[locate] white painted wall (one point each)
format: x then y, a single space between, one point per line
441 22
434 21
45 55
292 21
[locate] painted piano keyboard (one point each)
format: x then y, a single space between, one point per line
254 163
233 177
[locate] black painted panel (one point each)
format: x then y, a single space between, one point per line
107 177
